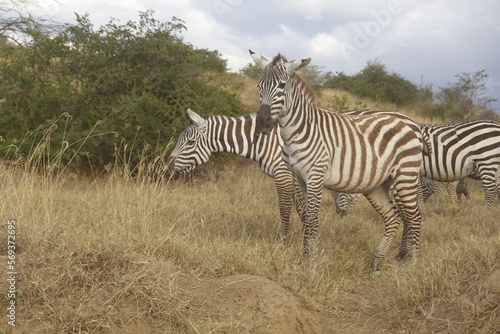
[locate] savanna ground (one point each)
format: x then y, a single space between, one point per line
127 251
115 254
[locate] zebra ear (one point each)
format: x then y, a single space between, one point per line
197 119
297 64
260 60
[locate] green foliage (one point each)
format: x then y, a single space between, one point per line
376 83
251 70
339 102
464 99
337 80
136 79
342 102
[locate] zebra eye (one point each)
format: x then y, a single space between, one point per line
282 85
189 142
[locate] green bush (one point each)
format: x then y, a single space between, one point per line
135 79
376 83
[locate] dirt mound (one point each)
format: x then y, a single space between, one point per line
253 304
178 302
256 304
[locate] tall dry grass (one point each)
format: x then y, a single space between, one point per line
106 254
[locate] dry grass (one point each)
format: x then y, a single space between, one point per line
127 251
117 254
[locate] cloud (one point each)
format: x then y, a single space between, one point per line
435 39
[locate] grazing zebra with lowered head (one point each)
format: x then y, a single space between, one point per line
347 153
464 149
217 133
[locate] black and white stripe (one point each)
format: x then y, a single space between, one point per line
464 149
347 153
455 189
238 135
344 202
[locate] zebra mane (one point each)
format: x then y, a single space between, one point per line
458 123
242 117
302 83
305 87
279 58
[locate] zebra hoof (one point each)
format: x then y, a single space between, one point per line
401 256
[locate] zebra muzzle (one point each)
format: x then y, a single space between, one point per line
264 121
170 164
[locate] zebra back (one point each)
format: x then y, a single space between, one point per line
464 149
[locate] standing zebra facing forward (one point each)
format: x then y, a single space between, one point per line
464 149
347 153
217 133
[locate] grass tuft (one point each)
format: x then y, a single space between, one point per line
123 251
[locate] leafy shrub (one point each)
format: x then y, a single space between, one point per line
135 79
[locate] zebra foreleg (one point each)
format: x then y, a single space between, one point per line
406 195
381 201
286 197
300 198
312 195
451 188
463 190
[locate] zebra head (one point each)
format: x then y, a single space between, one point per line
192 148
273 87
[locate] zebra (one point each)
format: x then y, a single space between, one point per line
344 202
460 189
464 149
238 135
455 189
347 153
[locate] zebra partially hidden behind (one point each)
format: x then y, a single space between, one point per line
345 202
464 149
454 189
365 154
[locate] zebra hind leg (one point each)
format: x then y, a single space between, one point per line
489 184
381 201
406 197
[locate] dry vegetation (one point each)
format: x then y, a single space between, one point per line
115 254
127 252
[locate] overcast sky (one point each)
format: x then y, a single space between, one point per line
426 41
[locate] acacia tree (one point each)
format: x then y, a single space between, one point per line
464 99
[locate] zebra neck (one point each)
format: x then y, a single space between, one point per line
298 109
232 135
